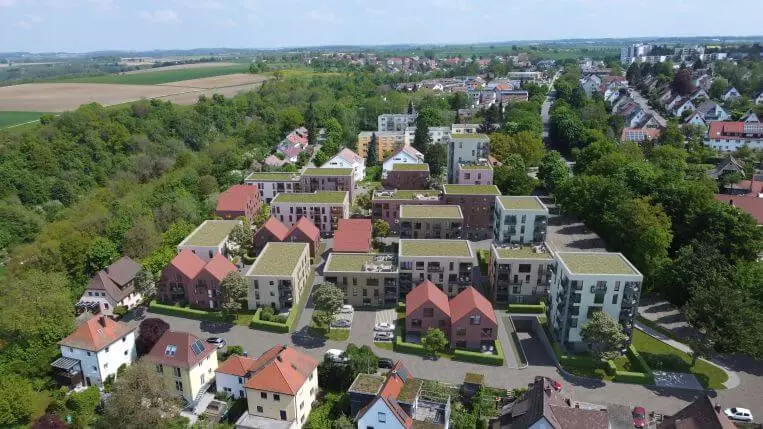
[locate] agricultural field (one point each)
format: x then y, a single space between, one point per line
159 77
183 67
9 119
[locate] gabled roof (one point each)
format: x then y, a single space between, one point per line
700 414
467 301
276 228
307 227
236 365
349 156
188 263
425 292
179 349
96 333
408 150
281 369
396 380
353 235
752 204
219 266
236 197
722 128
114 278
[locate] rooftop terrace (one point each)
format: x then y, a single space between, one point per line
361 262
452 248
277 259
597 263
459 136
367 383
521 203
429 194
523 252
424 211
321 197
327 172
471 190
410 167
210 233
273 177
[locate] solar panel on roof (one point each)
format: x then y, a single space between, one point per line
197 347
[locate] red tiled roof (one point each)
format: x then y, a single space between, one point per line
219 266
236 365
277 228
720 129
307 227
184 356
751 204
426 291
188 263
349 156
353 235
282 370
467 301
388 393
97 333
236 197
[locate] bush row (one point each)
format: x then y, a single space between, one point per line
187 312
610 368
257 323
637 360
634 377
480 358
410 348
527 308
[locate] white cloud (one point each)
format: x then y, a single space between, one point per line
103 5
161 16
29 21
316 15
7 3
460 5
250 5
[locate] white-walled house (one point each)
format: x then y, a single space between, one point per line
94 351
112 287
731 94
383 413
348 159
231 375
209 238
406 155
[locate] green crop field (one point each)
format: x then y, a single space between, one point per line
8 119
159 77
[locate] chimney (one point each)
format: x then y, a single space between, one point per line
102 321
718 408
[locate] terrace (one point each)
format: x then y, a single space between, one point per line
521 203
523 252
451 248
471 136
210 233
597 263
471 190
416 195
278 259
431 212
323 197
364 262
273 177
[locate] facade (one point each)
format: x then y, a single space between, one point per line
585 282
272 184
407 177
385 205
189 279
473 321
465 148
446 263
232 374
348 159
353 236
367 279
328 179
112 287
305 231
405 155
388 141
396 121
209 239
426 306
431 221
475 173
186 363
465 128
730 136
477 204
279 275
323 208
271 230
519 274
519 220
438 135
239 201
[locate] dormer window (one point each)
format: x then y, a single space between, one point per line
170 350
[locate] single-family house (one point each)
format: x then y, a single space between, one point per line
731 94
294 144
712 111
111 287
698 95
348 159
729 164
750 117
405 155
639 134
695 119
239 201
758 100
273 230
426 306
701 413
683 105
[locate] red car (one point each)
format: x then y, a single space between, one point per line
639 417
556 385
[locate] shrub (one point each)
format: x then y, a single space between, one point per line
264 325
280 319
480 358
634 377
248 260
637 360
188 313
610 368
527 308
120 310
400 307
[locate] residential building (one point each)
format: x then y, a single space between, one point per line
712 111
186 363
272 184
631 53
446 263
294 144
387 141
348 159
465 128
304 231
426 306
385 205
478 172
281 388
751 203
191 280
431 221
272 230
404 155
396 121
695 119
323 208
730 136
758 100
699 95
683 105
353 236
731 94
328 179
585 282
728 165
437 135
639 135
477 203
519 219
701 413
519 274
367 279
239 201
209 238
232 374
464 148
111 287
95 351
406 176
473 321
279 275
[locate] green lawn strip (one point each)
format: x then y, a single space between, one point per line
9 119
518 351
580 365
664 357
188 312
335 334
527 308
384 345
160 77
657 327
483 257
264 325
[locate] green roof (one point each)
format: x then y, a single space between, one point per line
597 263
410 390
456 248
322 197
410 167
274 177
210 233
327 172
458 136
367 383
474 166
416 211
471 190
521 203
277 259
406 195
524 252
346 262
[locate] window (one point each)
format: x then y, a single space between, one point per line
614 299
415 323
263 395
88 353
125 353
71 350
617 286
276 397
310 377
312 391
159 368
525 268
598 298
301 405
240 380
475 319
461 332
95 368
259 408
107 349
429 312
176 371
283 415
382 417
179 386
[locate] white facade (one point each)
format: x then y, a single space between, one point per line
272 184
358 167
732 144
731 94
401 157
688 106
98 365
209 238
465 149
464 128
452 272
230 384
519 220
396 121
759 99
437 134
379 416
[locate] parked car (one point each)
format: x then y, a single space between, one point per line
335 355
217 341
386 363
740 414
555 384
384 336
347 308
639 417
341 323
384 327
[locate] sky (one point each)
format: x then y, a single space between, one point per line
89 25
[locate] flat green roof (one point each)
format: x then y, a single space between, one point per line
422 211
210 233
327 172
471 190
406 195
473 166
456 248
521 203
367 383
597 263
410 167
274 177
346 262
277 259
458 136
410 390
321 197
524 252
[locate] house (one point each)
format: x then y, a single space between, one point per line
712 111
404 155
519 274
324 208
731 94
699 94
387 141
209 238
695 119
328 179
279 275
280 388
304 231
272 230
294 144
190 279
473 321
348 159
274 161
701 413
353 236
477 203
758 100
729 164
186 363
431 221
519 220
406 176
650 121
464 128
366 279
590 84
683 105
639 134
750 203
446 263
111 287
385 205
239 201
464 148
95 351
426 306
750 116
730 136
478 172
272 184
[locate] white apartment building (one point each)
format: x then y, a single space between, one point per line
465 128
465 148
279 275
519 274
437 134
323 208
519 220
209 238
446 263
272 184
396 121
585 282
630 53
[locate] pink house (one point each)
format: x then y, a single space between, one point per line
426 306
189 279
473 320
475 174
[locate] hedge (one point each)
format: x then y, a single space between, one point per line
480 358
187 312
256 323
610 368
637 360
634 377
410 348
527 308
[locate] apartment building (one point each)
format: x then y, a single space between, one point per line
431 221
367 279
388 141
478 172
191 280
385 205
209 239
585 282
396 121
426 306
438 135
465 128
519 219
465 148
446 263
272 184
406 176
323 208
731 136
477 204
239 201
279 275
519 274
328 179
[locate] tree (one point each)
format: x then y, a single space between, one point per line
381 228
645 232
241 238
49 421
343 422
421 138
604 335
310 125
372 154
524 143
83 404
683 82
511 178
410 107
101 253
634 73
141 239
718 88
672 135
327 299
16 402
360 360
437 158
553 171
434 342
141 397
702 346
145 283
262 216
149 332
233 289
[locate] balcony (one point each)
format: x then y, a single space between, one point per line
435 269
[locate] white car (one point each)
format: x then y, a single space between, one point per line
384 336
335 355
347 308
741 414
384 327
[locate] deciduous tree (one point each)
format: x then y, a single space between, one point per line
553 170
434 342
381 228
16 402
149 332
327 299
604 334
233 290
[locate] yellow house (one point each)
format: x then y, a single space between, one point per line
187 363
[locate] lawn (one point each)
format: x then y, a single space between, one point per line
663 357
335 334
8 119
159 77
384 345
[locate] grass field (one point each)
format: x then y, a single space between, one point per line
159 77
8 119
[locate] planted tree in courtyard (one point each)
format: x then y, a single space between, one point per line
372 154
241 237
434 342
233 290
604 334
327 299
381 228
